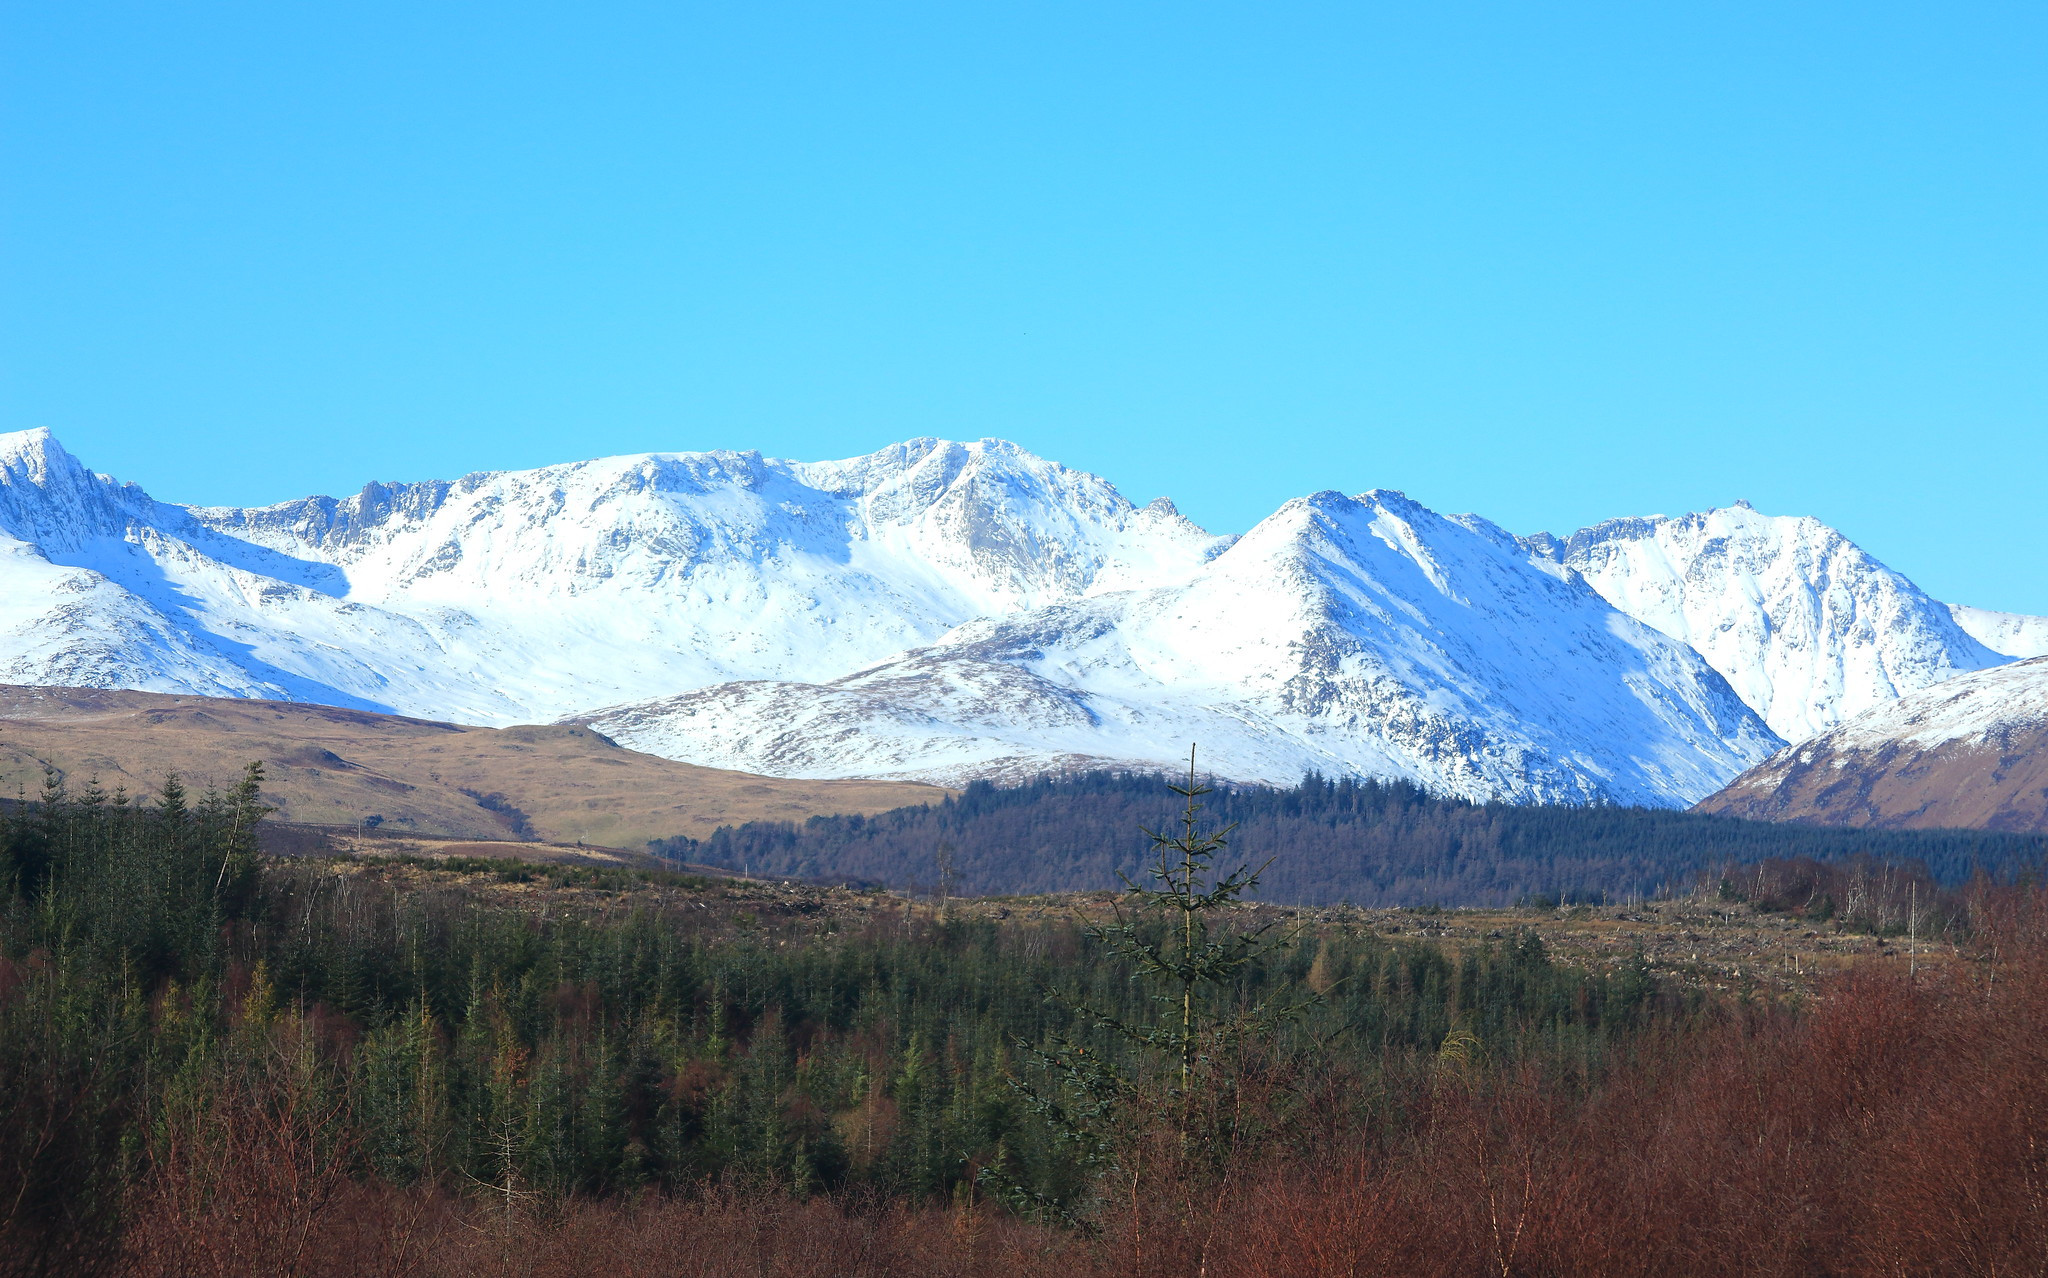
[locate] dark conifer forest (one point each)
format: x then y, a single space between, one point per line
1365 842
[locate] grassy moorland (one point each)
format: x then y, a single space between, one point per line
330 766
213 1063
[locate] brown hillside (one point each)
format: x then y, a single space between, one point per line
1895 787
325 765
1967 753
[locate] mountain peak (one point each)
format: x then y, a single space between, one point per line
11 441
1808 627
35 454
48 498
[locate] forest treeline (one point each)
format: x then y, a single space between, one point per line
1365 842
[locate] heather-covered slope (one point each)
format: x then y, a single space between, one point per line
332 766
1971 752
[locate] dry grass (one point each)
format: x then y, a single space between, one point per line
1699 941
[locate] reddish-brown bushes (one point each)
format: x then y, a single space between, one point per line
1897 1126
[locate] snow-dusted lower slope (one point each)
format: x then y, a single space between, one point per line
1345 635
1984 708
1808 627
2011 634
1970 753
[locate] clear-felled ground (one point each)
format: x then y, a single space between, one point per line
1703 941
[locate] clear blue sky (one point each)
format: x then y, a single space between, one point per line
1551 263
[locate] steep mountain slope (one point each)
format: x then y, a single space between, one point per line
528 595
105 586
1968 753
332 766
2009 633
1351 636
1806 626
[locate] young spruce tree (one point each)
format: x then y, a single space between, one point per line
1158 1124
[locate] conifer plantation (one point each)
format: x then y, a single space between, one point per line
1363 842
213 1062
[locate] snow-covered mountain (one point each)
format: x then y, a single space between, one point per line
1971 752
1362 635
524 596
1808 627
940 610
2009 633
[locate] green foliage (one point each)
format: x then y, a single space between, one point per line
108 899
115 885
1187 1060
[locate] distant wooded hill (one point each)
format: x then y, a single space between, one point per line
1363 842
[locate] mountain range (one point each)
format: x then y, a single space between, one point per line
946 611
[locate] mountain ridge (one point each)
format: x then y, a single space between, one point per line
934 610
1807 626
1348 635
